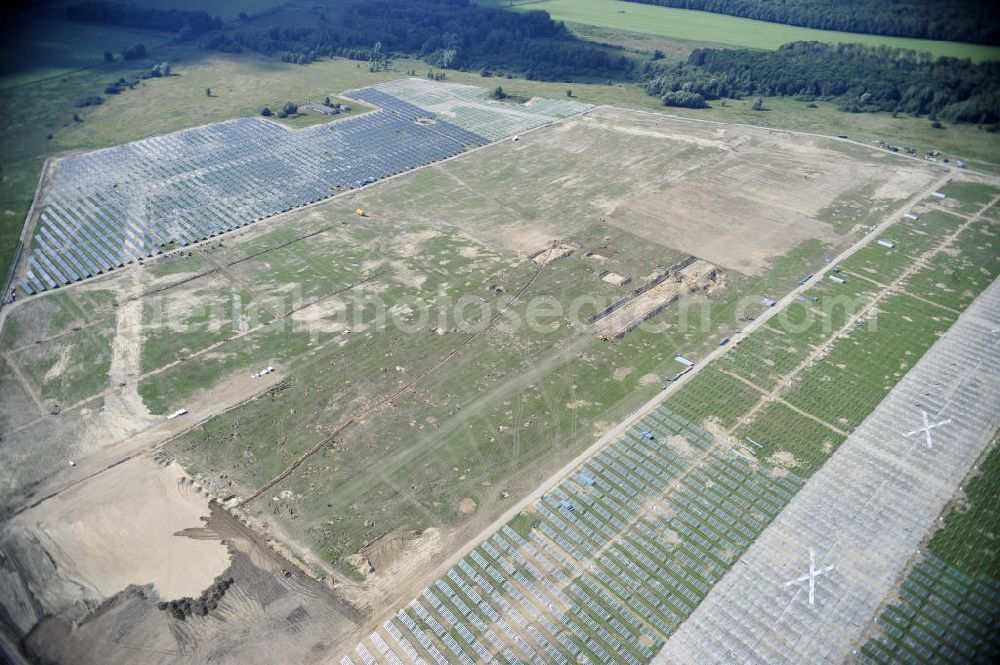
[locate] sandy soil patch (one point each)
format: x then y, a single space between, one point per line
735 196
681 446
671 536
552 254
466 506
602 426
652 133
328 316
622 372
408 244
120 528
615 279
60 366
398 559
123 414
523 238
650 379
406 276
781 463
126 350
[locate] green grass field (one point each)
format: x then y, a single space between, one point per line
60 47
848 384
722 30
74 365
967 538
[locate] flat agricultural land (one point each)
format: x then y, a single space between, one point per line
721 30
428 372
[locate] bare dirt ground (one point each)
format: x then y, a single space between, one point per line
131 538
736 196
124 407
749 195
272 613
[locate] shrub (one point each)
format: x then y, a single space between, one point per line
690 100
91 100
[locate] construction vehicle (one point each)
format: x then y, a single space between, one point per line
360 213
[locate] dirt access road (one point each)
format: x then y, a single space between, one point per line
147 441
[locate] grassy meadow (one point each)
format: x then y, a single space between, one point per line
722 30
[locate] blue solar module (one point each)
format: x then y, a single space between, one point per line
38 270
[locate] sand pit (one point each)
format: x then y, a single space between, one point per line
119 529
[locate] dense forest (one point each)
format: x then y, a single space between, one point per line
953 20
453 34
131 16
860 78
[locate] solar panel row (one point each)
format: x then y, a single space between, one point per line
620 555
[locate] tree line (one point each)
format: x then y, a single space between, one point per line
449 34
149 18
954 20
860 78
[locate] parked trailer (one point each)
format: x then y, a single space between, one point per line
177 413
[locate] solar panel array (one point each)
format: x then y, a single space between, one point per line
107 208
465 106
942 616
623 552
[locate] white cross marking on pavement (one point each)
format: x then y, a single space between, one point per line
926 429
811 576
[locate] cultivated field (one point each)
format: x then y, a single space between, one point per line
372 453
710 29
